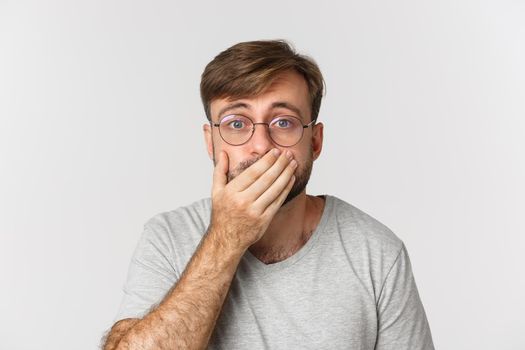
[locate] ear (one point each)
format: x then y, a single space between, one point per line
317 140
208 139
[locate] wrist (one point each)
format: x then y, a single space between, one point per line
229 245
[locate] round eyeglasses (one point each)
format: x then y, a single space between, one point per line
284 130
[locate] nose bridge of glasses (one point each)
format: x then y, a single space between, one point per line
267 131
262 123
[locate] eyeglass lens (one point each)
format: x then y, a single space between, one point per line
238 129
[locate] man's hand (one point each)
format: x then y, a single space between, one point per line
243 208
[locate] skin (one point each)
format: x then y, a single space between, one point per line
294 222
247 213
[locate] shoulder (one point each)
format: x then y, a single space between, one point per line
363 234
178 229
361 225
369 246
172 236
195 215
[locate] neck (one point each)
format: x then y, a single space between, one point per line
290 229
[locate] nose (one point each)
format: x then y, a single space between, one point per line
261 141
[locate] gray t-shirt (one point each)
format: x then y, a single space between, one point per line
349 287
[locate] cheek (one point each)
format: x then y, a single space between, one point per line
305 161
303 153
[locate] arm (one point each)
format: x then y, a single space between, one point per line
241 213
402 322
187 316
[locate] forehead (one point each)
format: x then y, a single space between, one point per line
288 89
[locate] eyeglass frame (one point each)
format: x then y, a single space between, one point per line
304 126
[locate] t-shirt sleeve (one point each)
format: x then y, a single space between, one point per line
402 322
151 273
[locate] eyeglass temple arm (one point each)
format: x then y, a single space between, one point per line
307 125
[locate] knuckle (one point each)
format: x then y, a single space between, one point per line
253 213
265 164
272 173
252 172
239 202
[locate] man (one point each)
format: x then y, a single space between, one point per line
263 265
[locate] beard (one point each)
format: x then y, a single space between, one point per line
302 174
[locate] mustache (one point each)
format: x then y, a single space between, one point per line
245 164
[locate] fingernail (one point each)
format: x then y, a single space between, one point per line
293 163
289 154
276 151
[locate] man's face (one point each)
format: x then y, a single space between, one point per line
288 94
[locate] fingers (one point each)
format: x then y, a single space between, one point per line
252 173
220 173
263 183
274 206
275 189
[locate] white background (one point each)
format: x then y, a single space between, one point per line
101 129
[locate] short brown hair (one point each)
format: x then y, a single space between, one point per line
247 68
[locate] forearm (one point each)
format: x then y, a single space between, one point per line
185 319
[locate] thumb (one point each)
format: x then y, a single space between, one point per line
220 173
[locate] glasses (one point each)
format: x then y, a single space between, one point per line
284 130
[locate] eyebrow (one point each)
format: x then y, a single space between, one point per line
289 106
279 104
232 106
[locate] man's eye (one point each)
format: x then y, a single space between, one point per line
283 123
236 124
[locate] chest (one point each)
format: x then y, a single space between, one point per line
308 309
